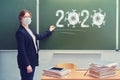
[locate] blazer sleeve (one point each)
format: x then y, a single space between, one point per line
43 35
21 47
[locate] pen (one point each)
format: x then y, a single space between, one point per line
86 73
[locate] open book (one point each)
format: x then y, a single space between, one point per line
104 64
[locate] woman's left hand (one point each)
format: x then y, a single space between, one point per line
52 28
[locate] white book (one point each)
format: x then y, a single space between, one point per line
56 76
56 70
102 73
104 64
103 69
102 76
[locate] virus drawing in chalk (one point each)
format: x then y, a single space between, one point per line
72 18
98 18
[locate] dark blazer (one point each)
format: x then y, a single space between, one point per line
27 54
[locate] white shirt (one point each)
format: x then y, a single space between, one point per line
33 37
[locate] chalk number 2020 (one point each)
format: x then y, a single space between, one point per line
73 18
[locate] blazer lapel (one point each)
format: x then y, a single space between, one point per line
29 36
26 33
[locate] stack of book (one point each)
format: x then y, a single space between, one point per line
102 69
57 72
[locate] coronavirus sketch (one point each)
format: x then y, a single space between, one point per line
72 18
98 18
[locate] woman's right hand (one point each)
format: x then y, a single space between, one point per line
52 28
29 69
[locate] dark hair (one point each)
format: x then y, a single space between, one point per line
22 13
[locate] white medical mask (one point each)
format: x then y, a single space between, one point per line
27 21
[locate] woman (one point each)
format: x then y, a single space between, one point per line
27 57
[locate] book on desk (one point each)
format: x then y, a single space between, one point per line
102 69
57 72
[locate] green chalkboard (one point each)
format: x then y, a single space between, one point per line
80 34
9 23
80 24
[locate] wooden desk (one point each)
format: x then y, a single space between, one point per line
79 75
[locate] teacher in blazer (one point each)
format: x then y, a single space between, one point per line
27 57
